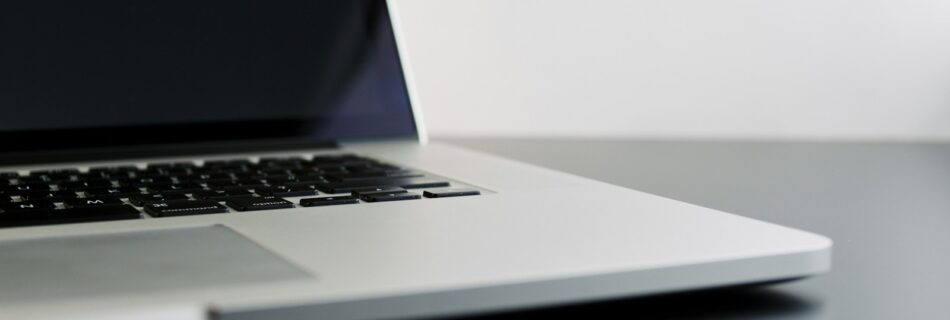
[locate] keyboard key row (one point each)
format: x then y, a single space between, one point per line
188 188
105 209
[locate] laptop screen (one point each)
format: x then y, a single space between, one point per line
78 74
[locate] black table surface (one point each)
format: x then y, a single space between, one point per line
886 206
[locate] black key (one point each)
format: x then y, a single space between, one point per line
92 202
120 175
122 182
121 192
209 177
184 208
115 169
372 175
32 186
69 215
280 172
36 205
116 172
311 178
51 176
99 183
218 170
239 190
162 176
9 175
379 190
28 180
281 162
175 165
250 186
251 181
327 201
408 183
54 172
158 173
222 193
254 187
330 168
72 185
174 194
278 180
380 197
305 171
286 191
222 184
150 181
258 203
227 163
54 196
445 193
143 199
301 184
183 187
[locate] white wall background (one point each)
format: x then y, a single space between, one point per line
815 69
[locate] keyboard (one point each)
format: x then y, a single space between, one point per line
159 190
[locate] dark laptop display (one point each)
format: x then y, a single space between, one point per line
94 74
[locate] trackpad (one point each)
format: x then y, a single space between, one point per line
147 261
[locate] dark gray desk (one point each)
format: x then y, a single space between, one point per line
886 205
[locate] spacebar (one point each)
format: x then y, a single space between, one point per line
69 215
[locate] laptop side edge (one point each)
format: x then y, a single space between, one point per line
401 48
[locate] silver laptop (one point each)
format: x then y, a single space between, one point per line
256 159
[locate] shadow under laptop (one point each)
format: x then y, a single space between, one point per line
748 302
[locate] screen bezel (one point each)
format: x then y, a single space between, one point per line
84 144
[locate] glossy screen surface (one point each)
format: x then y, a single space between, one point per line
77 74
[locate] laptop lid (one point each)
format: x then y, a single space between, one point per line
99 78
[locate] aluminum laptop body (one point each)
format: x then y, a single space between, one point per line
167 103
